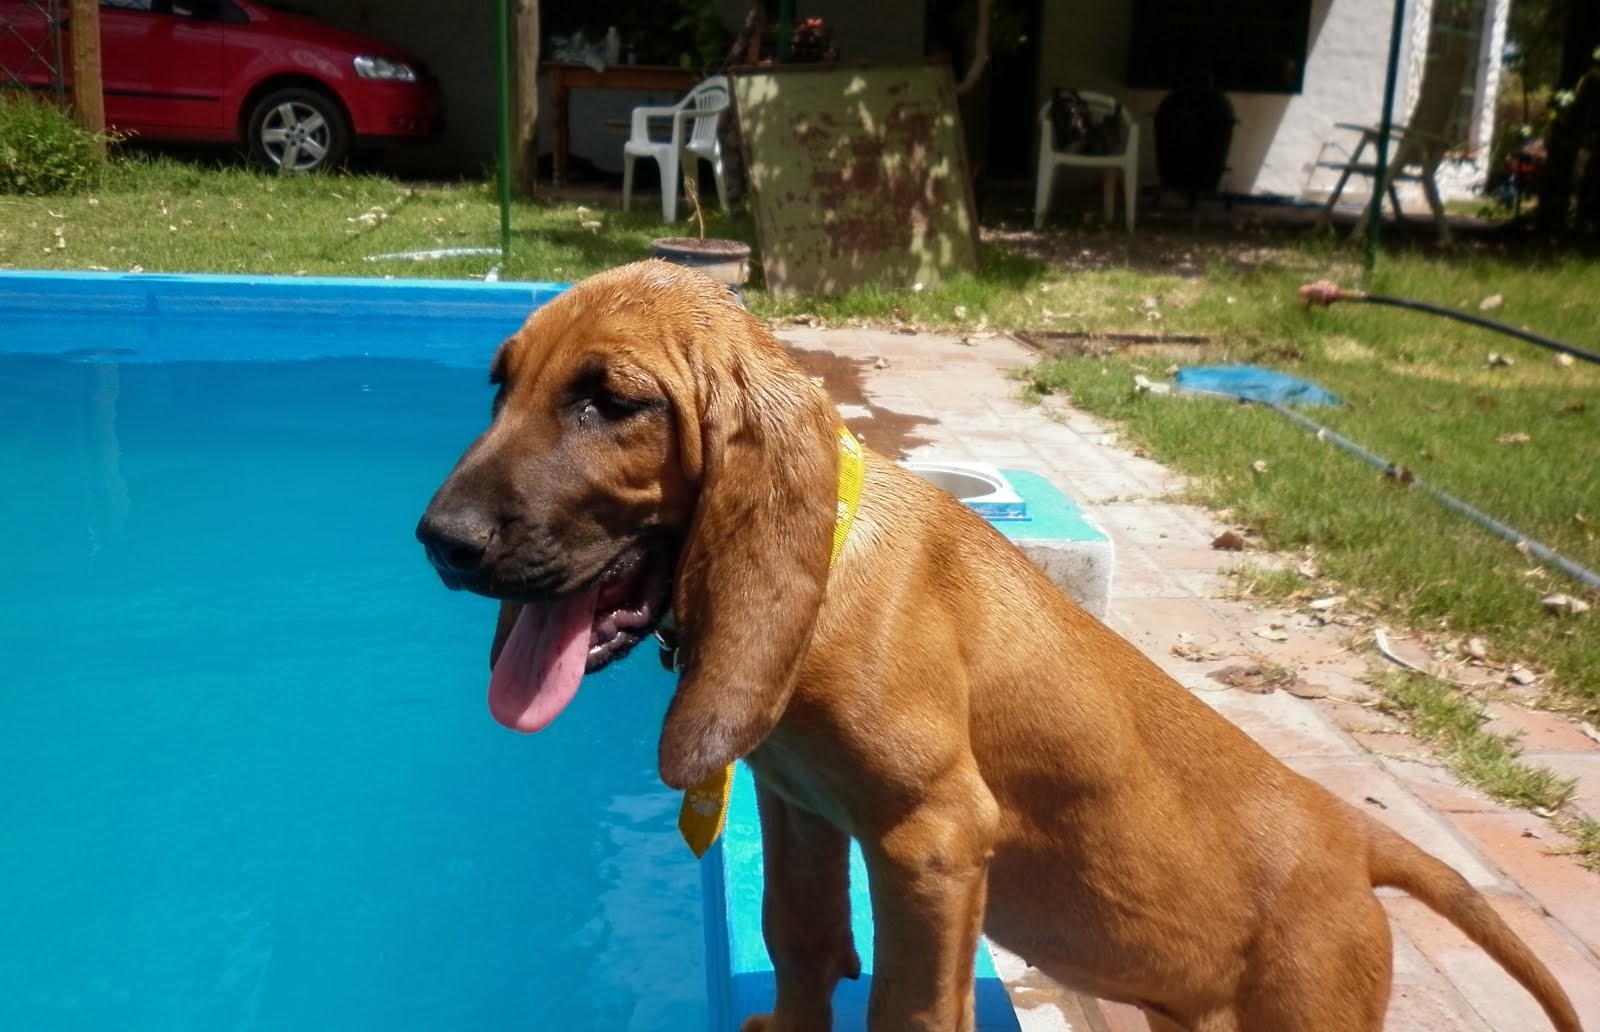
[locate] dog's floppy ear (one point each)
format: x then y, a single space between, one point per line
755 565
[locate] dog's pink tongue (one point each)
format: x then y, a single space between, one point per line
542 662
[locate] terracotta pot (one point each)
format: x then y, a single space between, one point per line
726 261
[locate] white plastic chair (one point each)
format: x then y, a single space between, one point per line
1125 161
680 154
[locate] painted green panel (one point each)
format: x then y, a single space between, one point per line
857 175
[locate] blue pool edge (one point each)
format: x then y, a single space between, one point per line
36 294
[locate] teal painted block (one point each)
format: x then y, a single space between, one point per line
1051 514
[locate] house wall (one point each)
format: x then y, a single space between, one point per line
1274 145
1278 137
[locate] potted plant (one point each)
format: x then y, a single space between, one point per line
726 261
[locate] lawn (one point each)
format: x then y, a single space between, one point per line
1520 442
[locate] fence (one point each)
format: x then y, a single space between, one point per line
33 49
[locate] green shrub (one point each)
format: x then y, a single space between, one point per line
42 150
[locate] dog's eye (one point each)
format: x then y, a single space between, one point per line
605 407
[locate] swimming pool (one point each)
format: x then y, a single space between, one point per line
250 778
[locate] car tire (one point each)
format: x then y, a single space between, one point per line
297 130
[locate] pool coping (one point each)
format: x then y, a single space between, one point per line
33 293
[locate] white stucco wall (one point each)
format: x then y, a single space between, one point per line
1278 137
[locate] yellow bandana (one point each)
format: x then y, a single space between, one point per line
705 806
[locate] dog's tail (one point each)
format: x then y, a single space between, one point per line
1395 862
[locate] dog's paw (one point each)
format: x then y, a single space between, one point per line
758 1023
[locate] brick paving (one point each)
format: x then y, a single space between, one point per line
1167 581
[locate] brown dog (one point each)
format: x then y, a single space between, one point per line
1007 762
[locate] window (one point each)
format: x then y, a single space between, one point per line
1247 46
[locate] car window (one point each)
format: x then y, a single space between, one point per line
199 9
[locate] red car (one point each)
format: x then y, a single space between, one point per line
295 93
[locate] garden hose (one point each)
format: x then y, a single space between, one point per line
1402 475
1326 292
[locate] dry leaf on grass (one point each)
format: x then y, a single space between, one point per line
1522 675
1496 359
1563 359
1324 604
1271 633
1229 541
1560 603
1260 465
1475 649
1490 303
1514 438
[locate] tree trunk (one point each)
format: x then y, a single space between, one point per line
1557 180
88 100
525 106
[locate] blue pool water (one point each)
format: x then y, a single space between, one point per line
250 778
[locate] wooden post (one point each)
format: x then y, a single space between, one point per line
525 109
88 99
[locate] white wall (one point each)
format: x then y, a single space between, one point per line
1277 138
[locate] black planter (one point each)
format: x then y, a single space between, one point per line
1194 128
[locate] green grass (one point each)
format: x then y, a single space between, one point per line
1585 835
1454 724
162 215
1417 392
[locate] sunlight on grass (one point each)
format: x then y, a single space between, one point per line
1493 762
1418 392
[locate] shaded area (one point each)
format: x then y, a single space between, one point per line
889 433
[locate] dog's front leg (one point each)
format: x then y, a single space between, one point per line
805 915
929 880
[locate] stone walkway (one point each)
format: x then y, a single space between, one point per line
1166 584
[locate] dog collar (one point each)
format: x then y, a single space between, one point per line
705 806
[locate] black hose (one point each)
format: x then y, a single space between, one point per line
1561 562
1325 293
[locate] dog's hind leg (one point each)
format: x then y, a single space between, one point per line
1322 970
805 915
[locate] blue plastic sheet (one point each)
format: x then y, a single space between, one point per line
1252 383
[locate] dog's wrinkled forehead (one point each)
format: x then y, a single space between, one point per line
640 316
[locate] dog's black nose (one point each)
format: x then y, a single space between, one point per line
456 539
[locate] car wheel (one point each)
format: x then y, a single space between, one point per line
297 130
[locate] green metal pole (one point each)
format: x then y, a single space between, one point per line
1380 181
785 29
502 53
